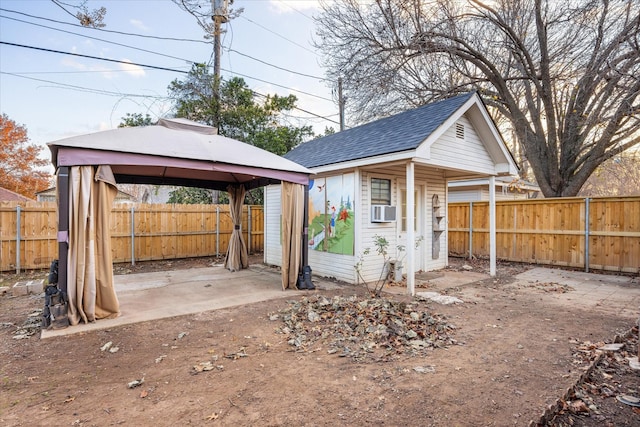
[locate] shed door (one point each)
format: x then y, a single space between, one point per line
419 215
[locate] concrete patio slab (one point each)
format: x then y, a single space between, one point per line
617 294
162 294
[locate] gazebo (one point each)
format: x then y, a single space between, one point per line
172 152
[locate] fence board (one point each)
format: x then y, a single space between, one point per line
159 232
552 231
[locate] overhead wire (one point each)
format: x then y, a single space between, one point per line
105 30
157 53
161 68
97 38
288 4
86 89
277 34
275 66
94 57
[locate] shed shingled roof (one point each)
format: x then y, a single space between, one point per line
397 133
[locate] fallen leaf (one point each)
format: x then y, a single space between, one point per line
144 393
212 417
69 399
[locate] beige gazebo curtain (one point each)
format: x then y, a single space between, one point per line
237 257
90 266
292 202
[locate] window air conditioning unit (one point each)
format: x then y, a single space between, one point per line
383 213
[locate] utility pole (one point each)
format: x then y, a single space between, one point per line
340 104
220 16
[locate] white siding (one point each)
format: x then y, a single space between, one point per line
465 195
433 183
467 154
342 267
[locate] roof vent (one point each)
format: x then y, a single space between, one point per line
459 130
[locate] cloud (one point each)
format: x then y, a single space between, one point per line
139 24
132 69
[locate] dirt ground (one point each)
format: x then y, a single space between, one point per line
511 357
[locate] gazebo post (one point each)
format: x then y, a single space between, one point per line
304 278
63 227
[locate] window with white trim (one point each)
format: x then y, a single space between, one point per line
380 191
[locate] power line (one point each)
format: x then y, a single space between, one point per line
279 35
159 68
277 85
96 38
94 57
296 10
275 66
86 89
161 54
133 95
300 109
105 30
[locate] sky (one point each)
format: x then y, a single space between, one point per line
58 95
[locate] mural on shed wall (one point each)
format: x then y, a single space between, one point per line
331 214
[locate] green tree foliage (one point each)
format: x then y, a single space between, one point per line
136 119
190 196
240 114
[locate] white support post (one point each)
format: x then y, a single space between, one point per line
411 232
492 225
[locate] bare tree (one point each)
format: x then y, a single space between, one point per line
565 75
618 176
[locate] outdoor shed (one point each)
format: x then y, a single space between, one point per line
173 152
375 180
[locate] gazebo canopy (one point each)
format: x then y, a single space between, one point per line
177 152
173 152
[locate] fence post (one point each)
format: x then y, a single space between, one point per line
217 231
586 234
470 230
18 237
249 228
133 236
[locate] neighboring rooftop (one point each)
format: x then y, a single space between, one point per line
10 196
397 133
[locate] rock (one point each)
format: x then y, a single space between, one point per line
313 316
634 364
612 347
136 383
439 298
425 369
467 267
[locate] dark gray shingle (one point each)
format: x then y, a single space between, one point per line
400 132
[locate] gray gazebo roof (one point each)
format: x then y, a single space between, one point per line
177 152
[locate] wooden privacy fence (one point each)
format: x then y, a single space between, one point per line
139 232
598 233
